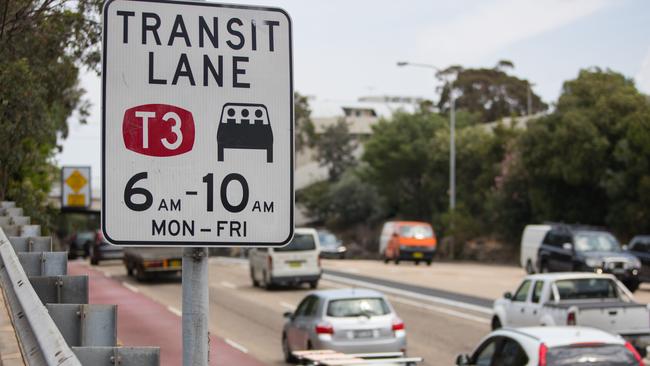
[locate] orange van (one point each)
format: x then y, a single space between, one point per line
407 240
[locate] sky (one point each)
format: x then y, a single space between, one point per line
347 49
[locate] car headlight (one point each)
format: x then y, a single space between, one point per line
593 262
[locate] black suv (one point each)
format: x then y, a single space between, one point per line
569 248
640 247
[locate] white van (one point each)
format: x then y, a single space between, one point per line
530 242
294 264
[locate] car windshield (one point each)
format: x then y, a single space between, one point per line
357 307
328 239
300 242
586 288
610 355
415 231
596 241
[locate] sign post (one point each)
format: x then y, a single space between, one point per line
197 143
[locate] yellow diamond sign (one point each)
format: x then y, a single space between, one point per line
76 181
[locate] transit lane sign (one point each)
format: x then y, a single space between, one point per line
197 142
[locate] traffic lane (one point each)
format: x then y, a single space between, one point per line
479 280
252 317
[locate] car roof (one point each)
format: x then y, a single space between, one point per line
567 276
347 293
410 223
563 335
305 230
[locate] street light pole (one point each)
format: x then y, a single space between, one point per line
452 138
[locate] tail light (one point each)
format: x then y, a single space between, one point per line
270 263
324 328
542 354
571 318
398 324
636 354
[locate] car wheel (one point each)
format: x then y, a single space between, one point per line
529 267
496 323
129 270
632 285
544 267
396 261
286 349
313 285
255 282
94 261
139 273
429 262
266 283
417 263
386 259
342 256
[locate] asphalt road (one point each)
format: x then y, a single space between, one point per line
445 307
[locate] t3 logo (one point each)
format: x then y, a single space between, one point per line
158 130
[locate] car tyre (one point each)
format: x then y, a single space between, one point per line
286 349
632 285
255 282
313 285
94 261
543 268
529 267
417 263
139 274
429 262
129 270
266 282
496 323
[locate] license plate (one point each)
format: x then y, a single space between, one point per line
363 334
417 255
295 264
175 263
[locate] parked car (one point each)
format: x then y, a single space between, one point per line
143 263
330 245
407 240
639 247
79 244
343 320
101 250
568 248
531 240
552 346
588 299
294 264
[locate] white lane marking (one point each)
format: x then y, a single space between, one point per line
442 310
130 287
350 270
174 311
228 285
410 294
236 345
287 305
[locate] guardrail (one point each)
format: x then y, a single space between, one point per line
49 309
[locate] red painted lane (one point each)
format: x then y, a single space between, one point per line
142 321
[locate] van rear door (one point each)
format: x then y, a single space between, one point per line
298 258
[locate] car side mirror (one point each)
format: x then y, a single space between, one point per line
567 246
462 360
288 315
507 295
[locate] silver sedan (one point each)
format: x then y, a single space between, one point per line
345 320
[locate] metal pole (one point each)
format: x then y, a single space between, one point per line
452 152
196 335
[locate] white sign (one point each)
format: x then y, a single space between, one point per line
75 187
197 137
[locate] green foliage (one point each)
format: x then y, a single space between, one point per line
335 149
492 93
42 45
589 161
304 127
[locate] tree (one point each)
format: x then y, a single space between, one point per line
304 127
335 149
589 161
491 92
42 46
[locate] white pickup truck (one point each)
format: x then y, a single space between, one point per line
586 299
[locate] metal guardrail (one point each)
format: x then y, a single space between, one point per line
49 309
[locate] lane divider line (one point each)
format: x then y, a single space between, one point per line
442 310
287 305
410 294
236 345
130 287
174 311
228 285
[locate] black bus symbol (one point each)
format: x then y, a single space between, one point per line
245 126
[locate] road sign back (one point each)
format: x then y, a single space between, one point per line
197 124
